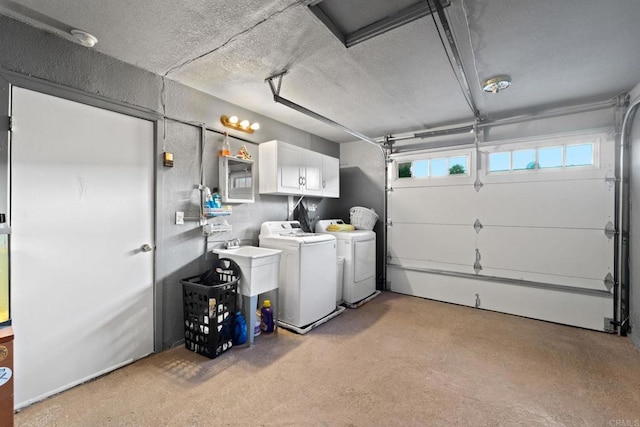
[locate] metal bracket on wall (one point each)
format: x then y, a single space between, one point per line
611 179
388 145
622 103
478 184
477 225
610 230
476 265
609 325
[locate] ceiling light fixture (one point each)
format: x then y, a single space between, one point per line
85 39
234 123
496 84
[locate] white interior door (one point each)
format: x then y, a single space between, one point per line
82 207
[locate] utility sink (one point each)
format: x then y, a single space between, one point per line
248 252
259 268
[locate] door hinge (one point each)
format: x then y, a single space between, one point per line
476 265
478 184
610 230
9 123
609 282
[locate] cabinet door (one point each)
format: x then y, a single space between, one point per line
312 173
330 176
289 168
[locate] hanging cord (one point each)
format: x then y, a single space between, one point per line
473 53
476 142
464 87
297 203
164 111
202 181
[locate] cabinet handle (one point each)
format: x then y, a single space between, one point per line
324 184
304 180
299 180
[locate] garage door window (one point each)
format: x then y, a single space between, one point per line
524 159
550 157
434 168
579 155
563 156
500 162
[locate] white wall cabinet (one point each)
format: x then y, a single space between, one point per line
330 176
287 169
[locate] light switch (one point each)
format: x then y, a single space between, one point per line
179 217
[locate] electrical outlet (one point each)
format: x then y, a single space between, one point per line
179 217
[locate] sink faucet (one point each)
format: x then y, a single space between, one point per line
231 244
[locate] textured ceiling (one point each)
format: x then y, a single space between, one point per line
557 53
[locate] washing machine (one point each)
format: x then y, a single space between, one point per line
307 286
358 248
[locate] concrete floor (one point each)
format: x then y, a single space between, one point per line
397 360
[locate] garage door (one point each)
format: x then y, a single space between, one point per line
521 227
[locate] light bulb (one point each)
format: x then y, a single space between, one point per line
85 39
233 119
255 126
245 124
497 84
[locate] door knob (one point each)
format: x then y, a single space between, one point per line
146 247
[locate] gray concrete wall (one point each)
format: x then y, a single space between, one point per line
180 248
362 179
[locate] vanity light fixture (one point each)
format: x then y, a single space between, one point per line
496 84
85 39
234 123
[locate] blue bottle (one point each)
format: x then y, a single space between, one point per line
208 198
240 335
216 199
267 317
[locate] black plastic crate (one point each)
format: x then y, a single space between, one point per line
209 309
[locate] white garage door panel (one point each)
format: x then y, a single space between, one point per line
555 252
542 204
437 244
542 248
583 310
542 278
433 205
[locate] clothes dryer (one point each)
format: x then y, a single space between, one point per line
358 247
